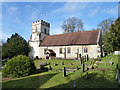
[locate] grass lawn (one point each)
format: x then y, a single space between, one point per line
102 76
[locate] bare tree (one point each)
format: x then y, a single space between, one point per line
105 24
72 25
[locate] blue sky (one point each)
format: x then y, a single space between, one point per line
17 17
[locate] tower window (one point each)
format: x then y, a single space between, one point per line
45 31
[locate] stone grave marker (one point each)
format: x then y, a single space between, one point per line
49 63
87 57
71 63
55 64
77 68
50 68
83 67
62 63
64 71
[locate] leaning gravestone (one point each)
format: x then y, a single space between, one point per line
64 72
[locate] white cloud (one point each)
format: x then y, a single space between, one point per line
11 10
111 11
70 7
4 37
93 12
27 6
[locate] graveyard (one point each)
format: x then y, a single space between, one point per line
61 73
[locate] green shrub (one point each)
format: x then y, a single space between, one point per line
18 66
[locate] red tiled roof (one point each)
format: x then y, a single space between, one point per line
74 38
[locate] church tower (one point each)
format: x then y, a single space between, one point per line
40 29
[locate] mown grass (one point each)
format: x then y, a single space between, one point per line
103 76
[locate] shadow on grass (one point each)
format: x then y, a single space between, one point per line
41 70
28 82
92 82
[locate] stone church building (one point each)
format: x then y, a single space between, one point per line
68 45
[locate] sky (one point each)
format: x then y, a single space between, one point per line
17 17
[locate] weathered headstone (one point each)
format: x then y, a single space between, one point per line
111 62
83 68
87 68
64 72
92 67
50 68
87 57
55 64
116 66
87 75
80 58
77 68
62 63
71 63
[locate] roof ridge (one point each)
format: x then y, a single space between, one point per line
72 32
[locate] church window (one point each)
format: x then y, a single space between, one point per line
85 49
60 50
68 50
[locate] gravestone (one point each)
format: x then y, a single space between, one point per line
64 72
55 64
83 67
87 75
92 67
80 58
62 63
91 62
77 68
50 68
111 62
87 57
49 63
87 68
71 63
116 66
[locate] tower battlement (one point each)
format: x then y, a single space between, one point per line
42 22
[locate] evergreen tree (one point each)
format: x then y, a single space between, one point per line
14 46
112 41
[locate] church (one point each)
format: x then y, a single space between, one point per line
63 46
